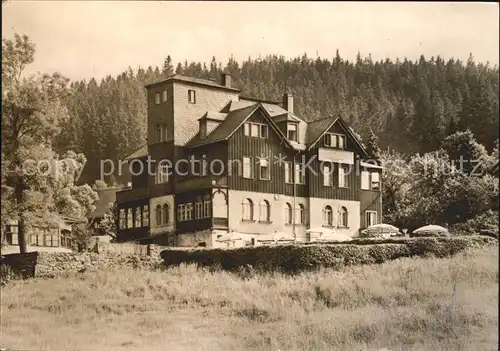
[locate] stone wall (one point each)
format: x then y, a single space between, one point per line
51 264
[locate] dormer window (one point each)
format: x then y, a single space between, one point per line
192 96
292 132
335 140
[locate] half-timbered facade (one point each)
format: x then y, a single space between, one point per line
217 162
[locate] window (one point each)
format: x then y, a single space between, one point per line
157 98
158 215
137 217
165 136
180 213
145 215
300 175
327 175
292 132
12 236
247 207
47 240
254 129
264 211
207 208
192 96
365 180
343 176
264 173
263 131
288 213
370 180
342 220
159 134
335 140
189 211
375 181
327 216
301 215
247 167
161 175
257 130
164 96
370 218
123 219
198 208
130 218
166 214
33 240
288 172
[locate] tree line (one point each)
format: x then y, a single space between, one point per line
410 105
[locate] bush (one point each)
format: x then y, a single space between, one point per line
429 235
296 258
7 275
485 222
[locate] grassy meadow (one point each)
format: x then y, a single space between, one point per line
407 304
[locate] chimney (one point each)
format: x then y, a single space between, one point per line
288 102
226 80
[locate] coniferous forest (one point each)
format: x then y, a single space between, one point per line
410 105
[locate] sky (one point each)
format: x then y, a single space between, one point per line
85 39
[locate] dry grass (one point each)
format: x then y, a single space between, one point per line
400 305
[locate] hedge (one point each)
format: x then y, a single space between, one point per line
296 258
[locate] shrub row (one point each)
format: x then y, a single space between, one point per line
296 258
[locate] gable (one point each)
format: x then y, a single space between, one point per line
335 126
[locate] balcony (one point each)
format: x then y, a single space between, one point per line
132 194
219 223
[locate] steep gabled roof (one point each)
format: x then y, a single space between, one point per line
194 81
323 125
316 129
233 121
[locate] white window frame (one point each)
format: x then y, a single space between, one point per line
264 211
157 98
164 96
145 215
264 164
327 174
288 172
368 215
328 222
188 210
159 133
292 127
372 181
207 206
248 167
198 208
181 212
161 175
300 174
340 217
192 96
335 140
343 177
365 180
255 130
247 210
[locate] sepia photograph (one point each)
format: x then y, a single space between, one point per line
249 175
